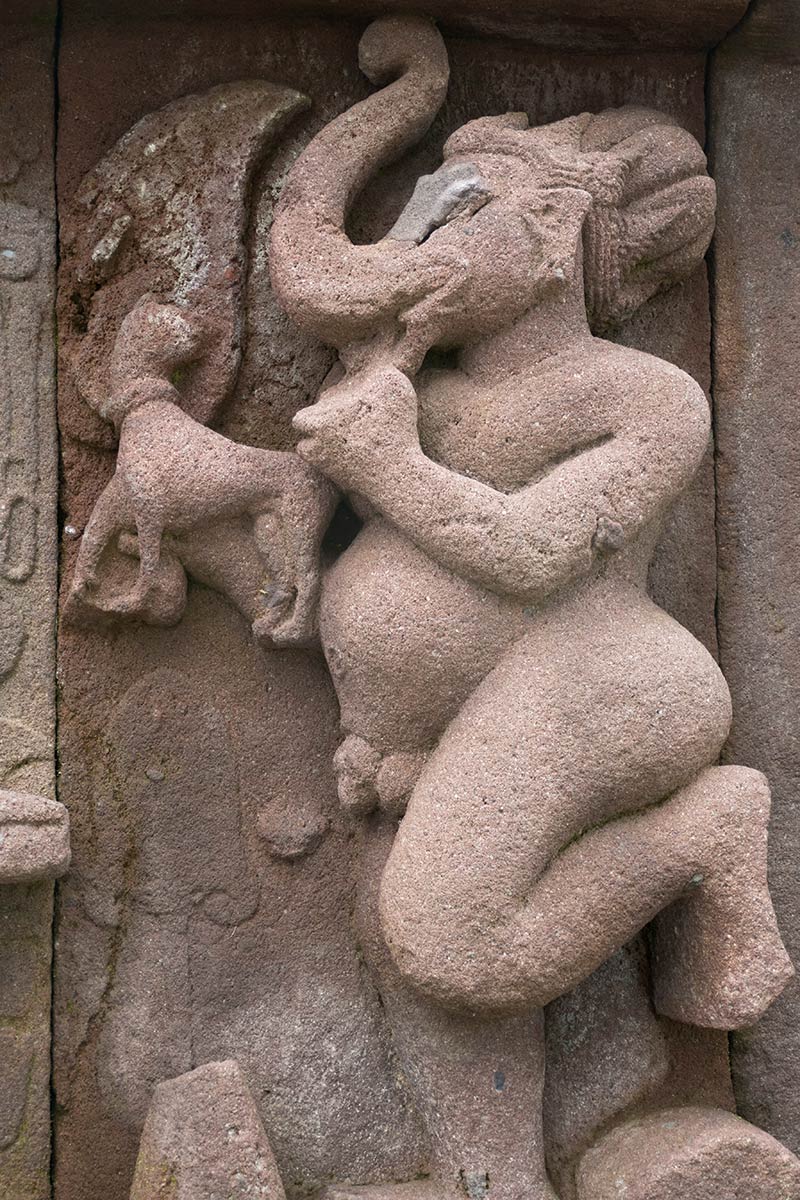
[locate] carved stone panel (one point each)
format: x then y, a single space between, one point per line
400 859
756 96
33 835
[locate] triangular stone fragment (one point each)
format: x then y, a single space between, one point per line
203 1140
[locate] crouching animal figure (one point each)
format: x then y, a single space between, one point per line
175 476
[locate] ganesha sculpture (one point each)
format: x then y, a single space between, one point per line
530 744
544 734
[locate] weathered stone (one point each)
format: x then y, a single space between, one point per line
278 988
203 1138
154 495
34 838
115 253
16 1056
693 1152
755 99
601 24
491 902
28 571
27 415
606 1051
208 912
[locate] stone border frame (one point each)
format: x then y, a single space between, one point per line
753 101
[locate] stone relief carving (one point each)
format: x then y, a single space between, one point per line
246 521
155 798
204 1137
25 749
179 865
19 262
175 476
34 830
34 847
529 741
497 660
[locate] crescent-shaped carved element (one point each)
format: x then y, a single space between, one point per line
165 213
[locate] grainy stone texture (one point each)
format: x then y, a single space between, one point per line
755 99
34 838
28 563
601 25
179 739
281 371
518 544
688 1152
203 1138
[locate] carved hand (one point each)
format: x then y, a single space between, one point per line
358 426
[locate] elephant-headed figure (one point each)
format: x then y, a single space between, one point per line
494 226
530 741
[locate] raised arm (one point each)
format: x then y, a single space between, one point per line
534 541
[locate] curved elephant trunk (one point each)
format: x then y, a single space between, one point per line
330 286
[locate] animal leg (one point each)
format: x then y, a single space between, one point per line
149 535
304 512
104 522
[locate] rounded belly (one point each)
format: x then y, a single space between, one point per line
406 640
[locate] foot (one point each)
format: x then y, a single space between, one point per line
718 958
288 620
275 633
83 584
130 604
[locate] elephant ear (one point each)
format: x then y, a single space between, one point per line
165 213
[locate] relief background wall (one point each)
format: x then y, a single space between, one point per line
282 991
754 101
174 740
28 561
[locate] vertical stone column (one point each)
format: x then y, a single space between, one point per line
28 569
755 106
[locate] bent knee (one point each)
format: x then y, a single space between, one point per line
441 944
427 953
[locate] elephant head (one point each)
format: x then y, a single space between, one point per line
332 287
513 212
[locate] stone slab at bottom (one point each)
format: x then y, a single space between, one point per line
689 1154
415 1189
203 1140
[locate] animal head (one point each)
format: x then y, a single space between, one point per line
631 181
156 338
629 185
154 342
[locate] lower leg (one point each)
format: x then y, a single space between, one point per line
306 508
477 1083
478 1087
289 547
705 842
102 524
717 955
149 543
700 861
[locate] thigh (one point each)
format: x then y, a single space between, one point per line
584 719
